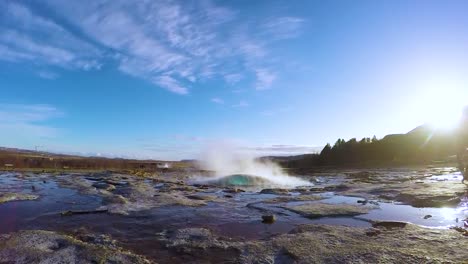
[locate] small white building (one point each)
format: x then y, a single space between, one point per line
163 165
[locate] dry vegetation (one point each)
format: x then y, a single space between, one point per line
14 159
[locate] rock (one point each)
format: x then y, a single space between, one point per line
275 191
117 199
115 182
317 189
460 230
314 243
70 213
104 186
390 224
93 178
364 176
297 198
268 219
427 216
316 210
202 197
363 202
202 186
336 188
373 232
37 246
10 197
228 196
434 194
233 190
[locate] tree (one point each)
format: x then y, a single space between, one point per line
326 150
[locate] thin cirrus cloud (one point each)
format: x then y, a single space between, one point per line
171 44
48 75
27 37
283 27
265 79
28 119
284 150
241 104
217 100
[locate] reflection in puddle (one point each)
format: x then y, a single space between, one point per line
457 176
429 216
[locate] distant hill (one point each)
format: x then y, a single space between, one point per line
422 145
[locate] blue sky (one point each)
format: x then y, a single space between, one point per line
162 79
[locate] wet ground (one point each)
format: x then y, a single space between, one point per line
172 218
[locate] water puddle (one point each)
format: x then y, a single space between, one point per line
428 217
52 200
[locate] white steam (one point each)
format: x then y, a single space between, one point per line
225 160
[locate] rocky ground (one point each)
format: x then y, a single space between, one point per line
348 216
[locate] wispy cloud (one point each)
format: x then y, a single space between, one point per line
283 27
28 120
242 103
170 84
275 111
26 36
281 150
47 75
237 91
232 78
265 79
168 43
217 100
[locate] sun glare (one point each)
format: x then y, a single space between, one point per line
443 102
445 117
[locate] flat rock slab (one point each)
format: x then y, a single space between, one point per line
316 210
37 246
436 194
326 244
298 198
9 197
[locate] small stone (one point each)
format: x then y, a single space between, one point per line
104 186
275 191
427 216
373 232
363 202
228 196
234 190
268 219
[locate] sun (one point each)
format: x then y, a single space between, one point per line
442 104
445 116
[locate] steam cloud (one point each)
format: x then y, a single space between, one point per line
225 160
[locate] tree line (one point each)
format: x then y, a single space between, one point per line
420 146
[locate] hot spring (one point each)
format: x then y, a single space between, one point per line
232 168
253 181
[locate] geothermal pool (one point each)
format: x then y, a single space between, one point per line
231 206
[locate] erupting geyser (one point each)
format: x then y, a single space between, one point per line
231 167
